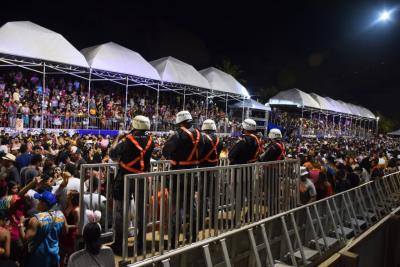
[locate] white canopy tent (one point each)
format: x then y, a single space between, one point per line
224 82
172 70
395 133
251 104
27 39
113 57
324 103
294 97
108 60
29 46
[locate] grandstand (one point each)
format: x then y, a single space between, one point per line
102 87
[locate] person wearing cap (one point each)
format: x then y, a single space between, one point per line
42 232
13 176
275 149
212 145
209 158
248 148
183 148
133 151
308 193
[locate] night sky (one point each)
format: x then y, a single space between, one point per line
328 47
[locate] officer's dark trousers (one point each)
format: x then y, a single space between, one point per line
184 207
243 192
210 195
137 216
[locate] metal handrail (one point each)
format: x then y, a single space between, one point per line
247 190
394 178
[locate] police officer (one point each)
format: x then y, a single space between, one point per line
134 152
246 150
210 158
276 149
183 149
212 145
183 146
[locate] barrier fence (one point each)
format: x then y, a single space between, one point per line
301 236
176 208
99 197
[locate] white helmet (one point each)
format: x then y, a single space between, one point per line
182 116
275 134
209 125
141 123
249 125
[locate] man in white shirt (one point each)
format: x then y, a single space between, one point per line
68 184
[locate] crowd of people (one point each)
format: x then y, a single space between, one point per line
40 182
66 105
40 173
321 125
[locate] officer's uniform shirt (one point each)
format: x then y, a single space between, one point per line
126 151
244 150
207 148
273 152
179 146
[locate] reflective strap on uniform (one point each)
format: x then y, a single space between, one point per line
195 143
257 153
213 150
140 158
282 155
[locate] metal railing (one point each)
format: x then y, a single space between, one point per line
301 236
97 198
105 173
181 207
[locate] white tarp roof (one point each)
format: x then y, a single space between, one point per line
396 133
323 102
338 106
224 82
345 108
27 39
116 58
294 97
173 70
251 104
367 113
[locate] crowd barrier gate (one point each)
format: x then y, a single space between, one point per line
183 207
106 173
298 237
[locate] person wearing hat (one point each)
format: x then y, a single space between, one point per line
183 148
133 151
12 175
42 232
212 145
308 193
248 148
275 149
210 158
